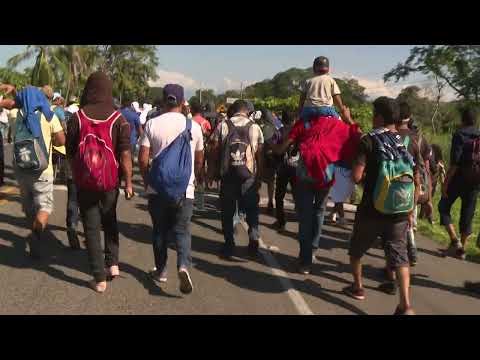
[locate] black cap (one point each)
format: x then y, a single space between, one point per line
321 62
173 92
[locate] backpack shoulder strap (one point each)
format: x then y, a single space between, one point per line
188 128
230 125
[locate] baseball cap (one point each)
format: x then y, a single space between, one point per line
56 95
173 92
321 62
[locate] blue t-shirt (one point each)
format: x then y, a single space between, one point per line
60 113
134 120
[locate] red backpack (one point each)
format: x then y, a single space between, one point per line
95 167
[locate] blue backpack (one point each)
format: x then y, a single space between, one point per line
170 172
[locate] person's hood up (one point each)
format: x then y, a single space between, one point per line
97 98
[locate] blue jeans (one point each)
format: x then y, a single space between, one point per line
166 220
311 205
230 194
72 205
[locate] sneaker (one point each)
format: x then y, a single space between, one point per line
333 218
253 247
472 286
279 225
186 286
407 311
158 276
389 288
304 269
452 248
460 254
356 293
73 240
227 252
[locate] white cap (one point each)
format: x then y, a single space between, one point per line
56 95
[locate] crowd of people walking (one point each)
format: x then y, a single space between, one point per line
182 149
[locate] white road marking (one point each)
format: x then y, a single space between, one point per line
297 299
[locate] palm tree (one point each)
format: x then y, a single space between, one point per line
42 73
73 65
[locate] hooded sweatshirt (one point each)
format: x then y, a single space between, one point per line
97 103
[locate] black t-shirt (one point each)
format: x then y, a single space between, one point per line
461 148
368 157
459 140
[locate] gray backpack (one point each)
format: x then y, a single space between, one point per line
30 153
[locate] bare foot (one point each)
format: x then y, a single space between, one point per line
99 287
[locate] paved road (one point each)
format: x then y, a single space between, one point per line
265 285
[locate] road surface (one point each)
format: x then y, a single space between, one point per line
267 284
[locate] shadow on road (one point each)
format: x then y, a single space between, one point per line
53 253
143 278
137 232
267 283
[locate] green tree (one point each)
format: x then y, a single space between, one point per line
208 96
154 93
43 70
353 94
16 78
131 67
457 65
73 65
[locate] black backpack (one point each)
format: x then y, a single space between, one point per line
471 168
238 159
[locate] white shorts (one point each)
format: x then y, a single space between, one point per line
344 186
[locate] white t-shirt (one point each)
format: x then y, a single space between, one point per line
162 130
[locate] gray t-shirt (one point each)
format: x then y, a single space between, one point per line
319 91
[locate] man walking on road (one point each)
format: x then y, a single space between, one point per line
98 144
34 119
176 145
136 129
238 143
462 181
372 219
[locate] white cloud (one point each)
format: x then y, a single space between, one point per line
168 77
230 84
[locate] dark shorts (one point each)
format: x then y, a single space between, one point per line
268 175
393 231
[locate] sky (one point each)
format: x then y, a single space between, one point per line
223 67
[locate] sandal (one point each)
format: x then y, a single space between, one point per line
407 311
358 294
